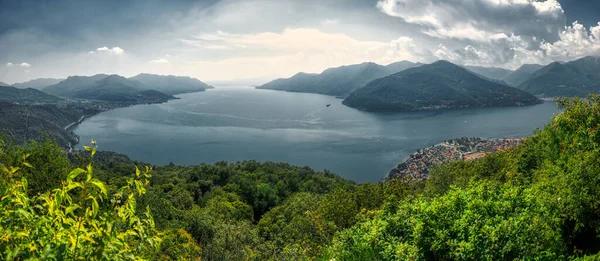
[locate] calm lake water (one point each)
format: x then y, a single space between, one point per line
241 123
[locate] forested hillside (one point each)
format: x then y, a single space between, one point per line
23 122
538 201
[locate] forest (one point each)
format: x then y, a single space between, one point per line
538 201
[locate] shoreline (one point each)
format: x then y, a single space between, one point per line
418 164
71 125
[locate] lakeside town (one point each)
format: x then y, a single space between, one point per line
417 166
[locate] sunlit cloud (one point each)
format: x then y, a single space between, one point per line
115 50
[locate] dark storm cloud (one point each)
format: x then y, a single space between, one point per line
587 12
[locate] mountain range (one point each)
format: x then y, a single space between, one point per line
39 83
435 86
339 81
28 96
522 74
575 78
143 88
112 88
170 84
493 73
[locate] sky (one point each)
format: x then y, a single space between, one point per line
254 41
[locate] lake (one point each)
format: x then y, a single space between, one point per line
243 123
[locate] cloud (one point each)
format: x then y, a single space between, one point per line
330 21
575 41
159 61
505 33
25 65
299 49
115 50
290 40
405 48
479 20
9 64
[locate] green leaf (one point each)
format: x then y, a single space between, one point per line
100 185
93 151
71 208
137 172
28 164
58 197
95 207
73 185
88 148
74 173
90 170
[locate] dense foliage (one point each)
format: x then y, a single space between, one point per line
79 220
539 201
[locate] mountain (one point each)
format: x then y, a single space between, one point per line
435 86
401 66
575 78
493 73
112 88
29 95
38 83
339 81
170 84
24 122
522 74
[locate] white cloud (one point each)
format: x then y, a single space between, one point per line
159 61
575 41
330 21
9 64
298 49
25 65
115 50
290 40
405 48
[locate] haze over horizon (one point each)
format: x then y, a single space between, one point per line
224 40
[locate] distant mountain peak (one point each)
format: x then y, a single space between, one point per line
575 78
170 84
337 81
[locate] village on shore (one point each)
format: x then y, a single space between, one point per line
418 165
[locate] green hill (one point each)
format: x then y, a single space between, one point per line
441 85
339 81
112 88
36 122
12 94
575 78
170 84
493 73
522 74
38 83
